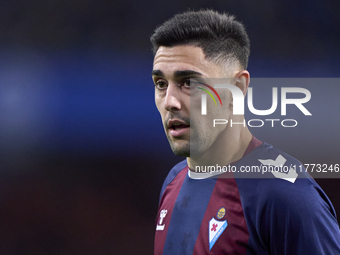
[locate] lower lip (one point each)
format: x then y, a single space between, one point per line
179 132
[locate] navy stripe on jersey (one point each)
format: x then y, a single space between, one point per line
183 231
172 175
166 207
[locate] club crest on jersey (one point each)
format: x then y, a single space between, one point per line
160 225
216 228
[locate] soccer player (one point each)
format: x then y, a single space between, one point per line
205 213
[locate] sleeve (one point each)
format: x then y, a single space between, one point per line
299 219
171 175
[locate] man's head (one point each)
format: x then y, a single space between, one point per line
221 37
202 44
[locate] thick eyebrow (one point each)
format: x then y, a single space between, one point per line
157 73
177 74
187 73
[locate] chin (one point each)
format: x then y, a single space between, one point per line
183 151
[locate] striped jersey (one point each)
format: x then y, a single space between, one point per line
244 212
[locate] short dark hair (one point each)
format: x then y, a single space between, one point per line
220 36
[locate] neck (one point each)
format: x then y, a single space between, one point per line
229 147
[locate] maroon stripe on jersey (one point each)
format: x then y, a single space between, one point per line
252 145
234 239
167 203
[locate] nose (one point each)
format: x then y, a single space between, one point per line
173 98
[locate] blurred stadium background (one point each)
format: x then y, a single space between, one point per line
83 154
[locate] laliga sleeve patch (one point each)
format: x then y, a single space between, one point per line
279 170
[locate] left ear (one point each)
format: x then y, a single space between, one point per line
242 81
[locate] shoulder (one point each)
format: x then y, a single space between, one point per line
266 161
283 209
268 152
302 199
282 180
298 211
172 174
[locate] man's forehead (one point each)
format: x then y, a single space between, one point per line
179 54
181 50
172 60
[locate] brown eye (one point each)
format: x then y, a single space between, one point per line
161 85
187 83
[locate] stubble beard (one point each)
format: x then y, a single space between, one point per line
182 150
193 147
